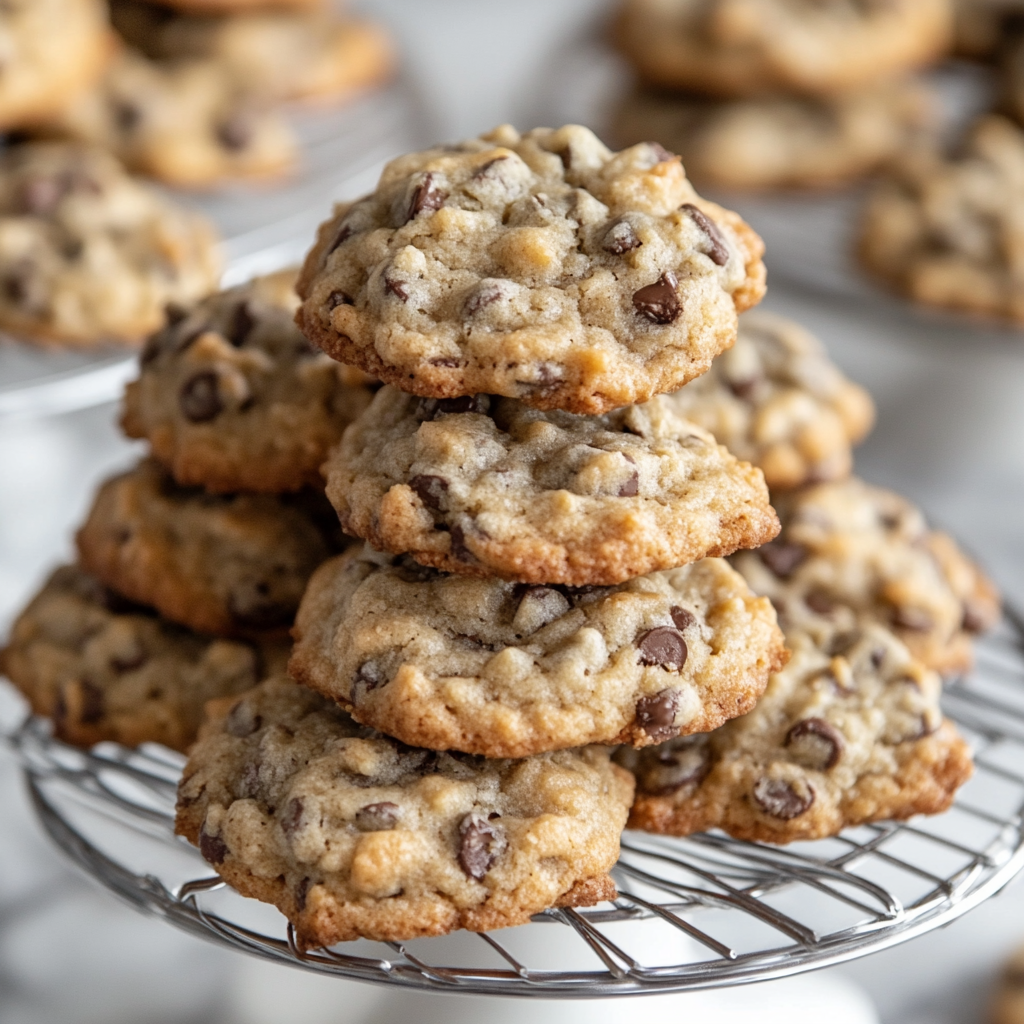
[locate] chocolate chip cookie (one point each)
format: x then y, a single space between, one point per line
747 48
944 230
850 553
776 142
241 6
776 400
287 55
104 668
843 735
49 51
188 123
352 834
89 255
506 670
1008 1007
232 397
491 486
233 565
542 267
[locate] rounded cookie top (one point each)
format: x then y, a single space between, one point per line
737 48
542 267
104 668
780 142
778 401
88 254
484 486
234 565
843 735
353 834
232 397
506 670
942 229
850 553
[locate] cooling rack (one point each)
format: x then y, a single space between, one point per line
692 913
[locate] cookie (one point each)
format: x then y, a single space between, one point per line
355 835
1008 1007
87 254
845 735
776 142
49 51
287 55
943 230
747 48
487 486
241 6
850 553
776 400
104 668
187 123
542 267
233 565
232 397
505 670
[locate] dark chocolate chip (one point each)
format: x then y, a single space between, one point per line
430 489
213 848
458 545
842 642
659 302
914 620
487 293
368 677
620 238
396 287
199 398
426 196
663 645
631 488
236 131
782 799
480 845
129 662
820 602
344 234
782 558
92 704
744 389
816 743
674 767
483 171
718 249
242 720
339 298
431 408
380 817
656 714
302 892
242 323
682 617
291 816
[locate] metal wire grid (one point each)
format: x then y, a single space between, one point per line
698 912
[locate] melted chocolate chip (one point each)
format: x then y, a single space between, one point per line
487 293
663 645
213 848
291 817
242 323
718 250
396 287
480 845
458 545
682 617
430 489
816 743
380 817
128 662
781 799
675 767
659 302
343 235
782 558
199 398
620 238
242 721
426 196
656 714
914 620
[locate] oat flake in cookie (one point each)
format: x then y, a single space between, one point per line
89 255
505 670
232 397
542 267
485 486
352 834
104 668
233 565
777 400
842 736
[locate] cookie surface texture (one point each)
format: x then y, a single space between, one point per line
542 267
232 397
352 834
490 486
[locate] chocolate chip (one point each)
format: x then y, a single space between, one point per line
656 714
663 645
242 322
781 557
489 291
482 172
249 784
397 288
816 743
481 844
339 298
914 620
368 677
842 642
458 545
23 285
431 408
565 155
127 115
659 302
631 488
682 617
291 817
236 131
129 662
242 721
426 196
379 817
674 767
302 892
744 389
718 250
213 848
781 799
430 489
92 704
620 238
820 602
199 399
344 234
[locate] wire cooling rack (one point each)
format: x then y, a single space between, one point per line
699 912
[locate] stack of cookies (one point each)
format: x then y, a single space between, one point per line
762 94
